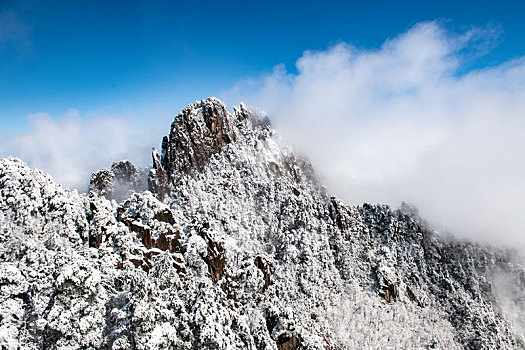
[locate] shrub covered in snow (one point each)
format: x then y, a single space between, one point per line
237 246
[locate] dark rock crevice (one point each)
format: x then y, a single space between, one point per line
265 268
215 255
288 342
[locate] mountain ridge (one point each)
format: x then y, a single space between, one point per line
236 244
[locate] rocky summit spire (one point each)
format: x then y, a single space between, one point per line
199 131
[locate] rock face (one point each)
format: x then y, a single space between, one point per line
237 246
198 132
158 178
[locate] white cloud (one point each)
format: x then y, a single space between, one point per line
400 123
71 147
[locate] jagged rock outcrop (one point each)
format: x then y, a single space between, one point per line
119 182
199 131
158 177
238 247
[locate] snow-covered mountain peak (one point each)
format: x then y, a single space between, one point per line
204 129
237 246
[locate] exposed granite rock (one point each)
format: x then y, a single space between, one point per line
198 132
158 178
288 342
215 256
264 266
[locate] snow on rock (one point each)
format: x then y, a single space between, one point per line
236 245
119 182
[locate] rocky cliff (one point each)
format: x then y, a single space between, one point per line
236 245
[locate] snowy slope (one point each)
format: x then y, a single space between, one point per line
237 245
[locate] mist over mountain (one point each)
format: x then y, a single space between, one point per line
412 120
229 240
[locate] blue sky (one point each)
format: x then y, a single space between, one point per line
151 58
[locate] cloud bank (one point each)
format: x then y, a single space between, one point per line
405 123
72 147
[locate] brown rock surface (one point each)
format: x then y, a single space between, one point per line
199 131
